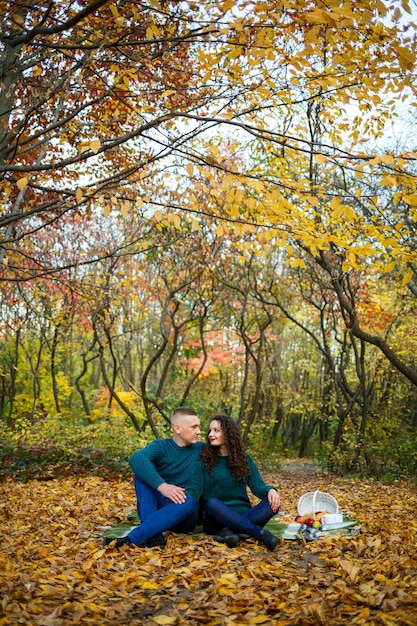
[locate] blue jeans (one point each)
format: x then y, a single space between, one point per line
148 499
218 515
180 518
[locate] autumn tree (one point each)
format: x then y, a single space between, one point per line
90 93
254 124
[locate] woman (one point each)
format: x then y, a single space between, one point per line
221 477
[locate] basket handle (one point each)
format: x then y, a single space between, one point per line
314 501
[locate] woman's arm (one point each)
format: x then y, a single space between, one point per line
274 499
259 488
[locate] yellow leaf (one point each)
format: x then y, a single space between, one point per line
22 182
346 12
124 209
351 569
95 145
225 6
390 266
226 590
337 208
168 92
87 564
78 195
99 554
406 58
190 169
214 151
155 30
164 619
349 213
320 158
114 10
149 584
406 6
387 158
351 256
264 236
318 16
406 278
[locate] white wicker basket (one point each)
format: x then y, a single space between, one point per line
315 501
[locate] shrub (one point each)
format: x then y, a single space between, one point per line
54 446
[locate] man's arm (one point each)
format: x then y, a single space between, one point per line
142 463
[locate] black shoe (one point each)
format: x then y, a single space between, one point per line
269 540
224 532
227 536
158 541
118 542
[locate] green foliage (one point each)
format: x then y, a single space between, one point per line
389 451
54 446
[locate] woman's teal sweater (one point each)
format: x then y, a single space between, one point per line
224 486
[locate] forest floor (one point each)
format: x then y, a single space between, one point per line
55 572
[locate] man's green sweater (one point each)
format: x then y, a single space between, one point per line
163 461
224 486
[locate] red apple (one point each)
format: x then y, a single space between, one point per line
310 521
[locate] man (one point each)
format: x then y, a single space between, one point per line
161 472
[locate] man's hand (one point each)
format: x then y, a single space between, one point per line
172 492
274 499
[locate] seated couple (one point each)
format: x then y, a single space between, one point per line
173 476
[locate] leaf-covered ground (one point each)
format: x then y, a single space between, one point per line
54 571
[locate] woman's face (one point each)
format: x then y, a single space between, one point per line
216 436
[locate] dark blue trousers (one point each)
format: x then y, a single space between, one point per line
218 515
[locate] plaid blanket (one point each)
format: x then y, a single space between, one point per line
291 531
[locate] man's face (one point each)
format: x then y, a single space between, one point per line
187 430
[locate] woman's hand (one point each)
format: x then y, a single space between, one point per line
274 499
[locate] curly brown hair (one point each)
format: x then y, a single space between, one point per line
238 462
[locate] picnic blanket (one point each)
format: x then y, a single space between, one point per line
291 531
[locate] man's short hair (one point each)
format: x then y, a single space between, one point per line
181 411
